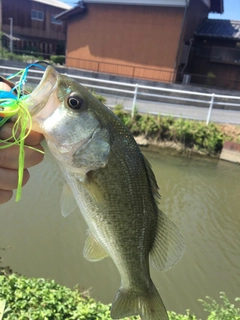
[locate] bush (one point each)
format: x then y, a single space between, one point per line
192 134
40 299
19 57
58 59
175 316
224 311
24 298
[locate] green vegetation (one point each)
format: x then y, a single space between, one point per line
22 299
30 58
224 311
192 134
57 59
5 54
41 299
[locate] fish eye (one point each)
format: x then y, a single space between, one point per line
74 102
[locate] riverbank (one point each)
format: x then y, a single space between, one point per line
183 135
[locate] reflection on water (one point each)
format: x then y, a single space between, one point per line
202 196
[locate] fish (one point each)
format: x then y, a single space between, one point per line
114 187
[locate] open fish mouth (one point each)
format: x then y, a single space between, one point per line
40 95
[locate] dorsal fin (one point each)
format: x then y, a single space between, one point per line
168 246
152 179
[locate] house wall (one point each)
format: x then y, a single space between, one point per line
44 33
196 13
206 70
134 41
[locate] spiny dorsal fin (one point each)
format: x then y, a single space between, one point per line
168 246
152 179
93 251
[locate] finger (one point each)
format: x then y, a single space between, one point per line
32 139
9 179
4 86
5 196
9 157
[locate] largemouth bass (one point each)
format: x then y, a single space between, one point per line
114 187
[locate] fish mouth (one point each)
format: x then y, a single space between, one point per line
40 95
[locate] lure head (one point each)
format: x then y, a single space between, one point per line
8 103
8 108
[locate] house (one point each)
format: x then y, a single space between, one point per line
215 54
30 26
148 39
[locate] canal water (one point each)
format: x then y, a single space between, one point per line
202 197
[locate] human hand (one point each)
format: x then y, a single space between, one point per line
9 158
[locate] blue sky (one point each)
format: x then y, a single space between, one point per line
231 9
70 2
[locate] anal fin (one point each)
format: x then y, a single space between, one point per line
93 251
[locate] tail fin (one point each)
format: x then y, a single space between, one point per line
149 305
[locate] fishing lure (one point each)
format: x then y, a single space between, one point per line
12 105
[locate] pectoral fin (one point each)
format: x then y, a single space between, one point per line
168 247
67 201
93 251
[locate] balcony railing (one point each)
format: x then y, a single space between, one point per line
154 74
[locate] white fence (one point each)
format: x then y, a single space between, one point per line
156 100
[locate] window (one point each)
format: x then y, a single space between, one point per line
204 52
37 15
225 55
53 20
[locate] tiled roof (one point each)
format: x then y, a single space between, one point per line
215 28
55 3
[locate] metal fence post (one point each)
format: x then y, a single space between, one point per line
134 100
210 108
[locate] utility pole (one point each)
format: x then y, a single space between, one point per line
11 36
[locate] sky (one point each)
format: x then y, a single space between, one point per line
231 9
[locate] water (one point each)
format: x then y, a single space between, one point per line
202 196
